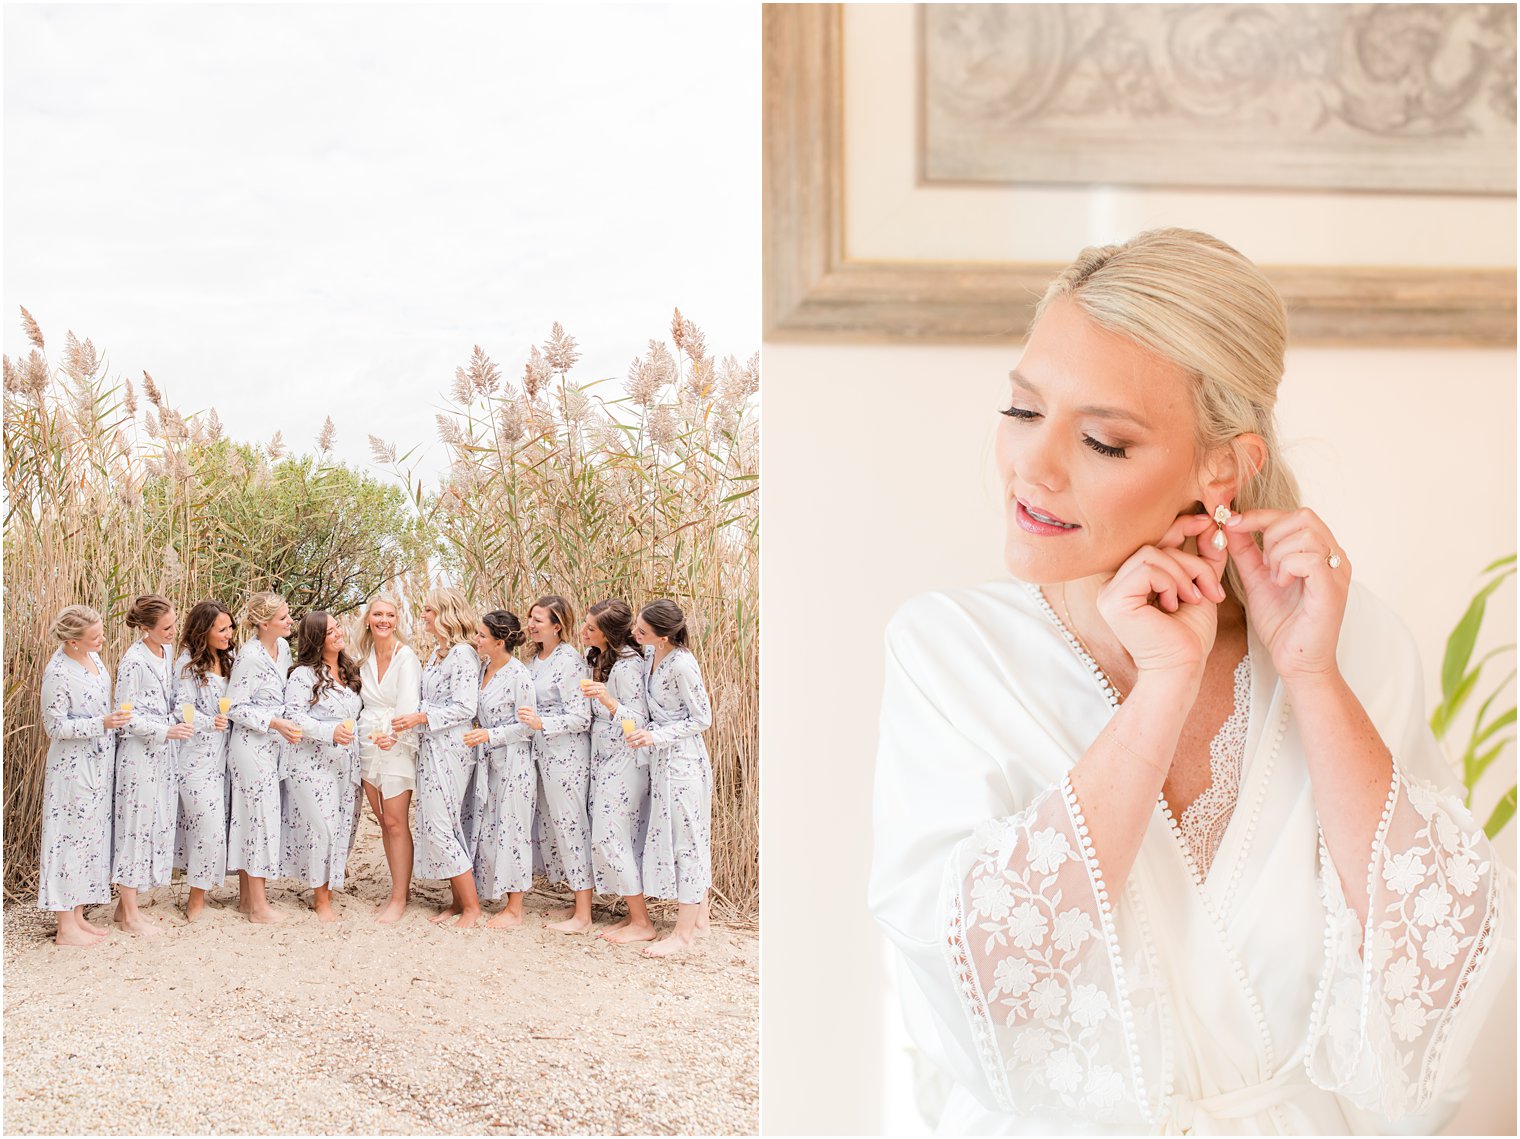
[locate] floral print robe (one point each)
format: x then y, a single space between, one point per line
677 859
562 753
200 844
505 782
255 759
321 806
147 792
445 767
77 785
619 782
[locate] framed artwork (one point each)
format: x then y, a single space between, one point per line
817 288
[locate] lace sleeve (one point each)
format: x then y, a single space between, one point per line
1037 963
1395 1013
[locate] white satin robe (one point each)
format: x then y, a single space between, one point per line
397 692
1241 1006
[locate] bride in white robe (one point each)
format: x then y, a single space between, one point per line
1074 976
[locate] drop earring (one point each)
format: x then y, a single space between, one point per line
1221 516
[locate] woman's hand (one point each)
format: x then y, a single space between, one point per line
641 738
342 735
181 731
220 723
1294 599
407 720
384 743
116 719
287 729
531 718
1163 602
476 736
594 690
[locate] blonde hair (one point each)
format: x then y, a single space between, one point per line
73 621
456 620
261 607
366 639
1204 306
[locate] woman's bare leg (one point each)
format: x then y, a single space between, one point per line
466 899
89 926
511 914
128 916
74 930
196 906
396 835
638 927
579 920
683 936
255 902
322 902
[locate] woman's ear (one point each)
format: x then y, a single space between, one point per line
1229 468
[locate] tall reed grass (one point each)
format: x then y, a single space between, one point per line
552 486
571 487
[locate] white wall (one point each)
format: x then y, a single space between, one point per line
878 486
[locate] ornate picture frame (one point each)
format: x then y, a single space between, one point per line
813 290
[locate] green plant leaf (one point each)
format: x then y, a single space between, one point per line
1459 646
1503 811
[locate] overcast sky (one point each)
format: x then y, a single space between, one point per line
289 212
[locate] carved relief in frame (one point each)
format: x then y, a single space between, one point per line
814 289
1406 97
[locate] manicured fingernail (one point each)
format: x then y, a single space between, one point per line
1197 595
1234 520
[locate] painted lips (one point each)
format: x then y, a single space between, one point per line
1038 522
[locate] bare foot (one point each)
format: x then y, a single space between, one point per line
76 936
139 926
445 915
571 925
505 920
325 912
669 945
560 914
244 905
266 916
468 919
91 927
628 932
621 923
391 911
194 908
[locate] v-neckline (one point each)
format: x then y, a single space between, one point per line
1203 881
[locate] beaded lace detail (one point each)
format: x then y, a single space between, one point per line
1204 820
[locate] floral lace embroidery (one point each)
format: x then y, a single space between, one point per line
1204 820
1389 993
1043 981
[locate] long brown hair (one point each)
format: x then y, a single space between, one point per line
195 641
311 635
615 620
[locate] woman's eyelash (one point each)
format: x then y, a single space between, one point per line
1104 448
1016 412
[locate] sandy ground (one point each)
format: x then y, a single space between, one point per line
228 1027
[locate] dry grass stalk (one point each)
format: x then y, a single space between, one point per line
553 488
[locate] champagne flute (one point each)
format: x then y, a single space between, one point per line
349 724
628 728
187 713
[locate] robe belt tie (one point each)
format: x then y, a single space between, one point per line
1181 1112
